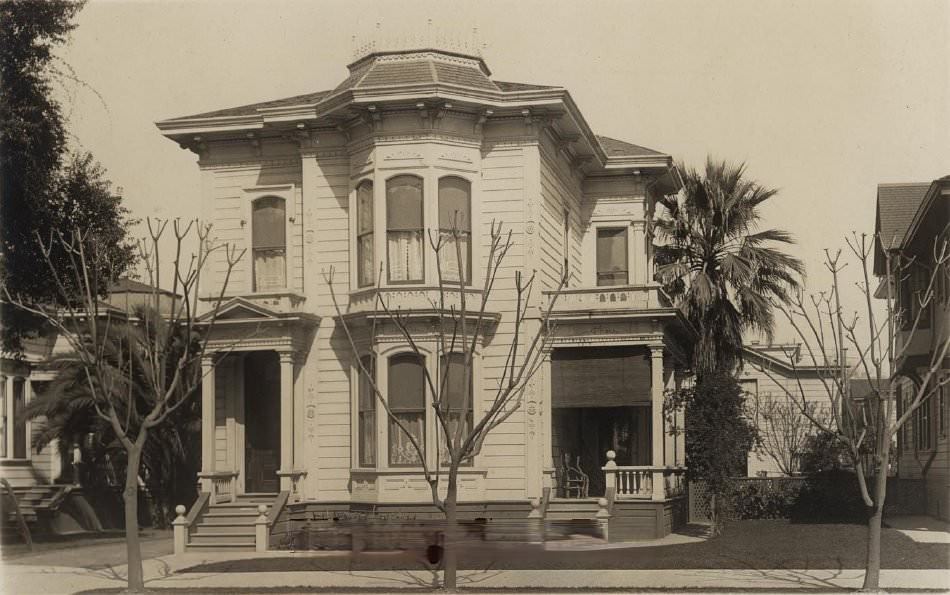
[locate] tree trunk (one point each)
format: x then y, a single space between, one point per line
450 545
714 517
133 549
872 573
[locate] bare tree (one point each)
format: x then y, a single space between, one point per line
784 429
140 364
866 424
457 334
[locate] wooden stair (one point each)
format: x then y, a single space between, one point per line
35 504
229 526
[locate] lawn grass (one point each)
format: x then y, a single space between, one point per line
766 544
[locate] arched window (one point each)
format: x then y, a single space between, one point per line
367 412
404 229
455 229
364 234
407 398
269 243
457 399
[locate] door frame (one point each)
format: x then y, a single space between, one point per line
240 421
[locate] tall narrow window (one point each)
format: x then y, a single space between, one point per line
367 411
455 229
612 256
456 402
19 424
923 429
404 231
269 243
364 234
407 402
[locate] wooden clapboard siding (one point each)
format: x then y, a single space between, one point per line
502 199
328 437
560 190
933 466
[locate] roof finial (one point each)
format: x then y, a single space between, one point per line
429 33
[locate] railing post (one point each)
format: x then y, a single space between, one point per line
260 529
233 487
180 530
603 516
610 477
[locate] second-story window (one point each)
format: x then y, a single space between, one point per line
364 234
406 396
612 256
404 229
566 244
269 243
455 229
367 412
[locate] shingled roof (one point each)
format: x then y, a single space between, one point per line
896 206
618 148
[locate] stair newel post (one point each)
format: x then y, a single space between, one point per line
260 529
180 530
536 522
603 516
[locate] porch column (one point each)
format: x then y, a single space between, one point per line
11 423
681 434
656 400
286 419
207 422
299 423
27 424
547 454
638 247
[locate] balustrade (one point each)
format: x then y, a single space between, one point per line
637 481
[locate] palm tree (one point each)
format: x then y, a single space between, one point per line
170 460
722 271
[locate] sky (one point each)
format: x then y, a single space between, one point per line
822 100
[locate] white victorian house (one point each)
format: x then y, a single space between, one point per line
354 178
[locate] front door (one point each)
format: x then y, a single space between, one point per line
262 422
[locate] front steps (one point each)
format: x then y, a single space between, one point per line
35 503
571 508
229 526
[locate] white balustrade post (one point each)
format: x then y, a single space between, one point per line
260 529
656 401
610 475
535 522
180 530
286 419
207 425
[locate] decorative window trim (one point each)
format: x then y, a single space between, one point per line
287 192
590 250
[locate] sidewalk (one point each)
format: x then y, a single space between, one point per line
161 573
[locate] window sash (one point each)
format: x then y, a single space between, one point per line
404 253
449 257
268 223
401 451
612 256
270 269
364 234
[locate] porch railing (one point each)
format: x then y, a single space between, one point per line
222 486
642 481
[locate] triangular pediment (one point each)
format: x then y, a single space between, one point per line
242 309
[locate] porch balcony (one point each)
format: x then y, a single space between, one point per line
608 300
645 482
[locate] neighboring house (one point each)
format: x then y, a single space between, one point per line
776 377
24 375
355 178
910 218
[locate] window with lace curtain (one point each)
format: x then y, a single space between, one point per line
455 229
367 411
406 397
457 401
404 229
364 234
269 243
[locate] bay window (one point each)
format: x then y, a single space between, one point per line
364 234
455 229
269 243
404 229
407 396
457 401
612 266
367 412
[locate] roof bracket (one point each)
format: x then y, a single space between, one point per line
482 118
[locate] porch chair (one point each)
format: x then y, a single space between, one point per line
576 482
